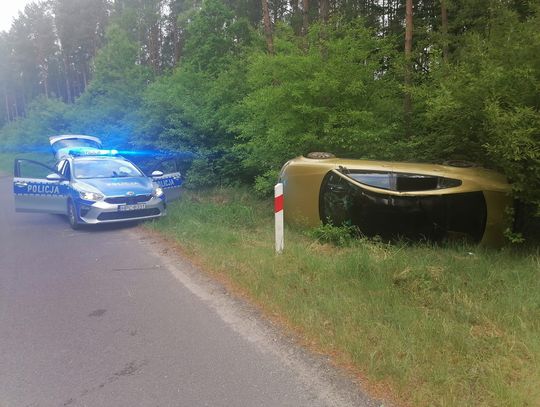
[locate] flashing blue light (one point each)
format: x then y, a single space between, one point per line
158 153
90 151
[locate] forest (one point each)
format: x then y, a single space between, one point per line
245 85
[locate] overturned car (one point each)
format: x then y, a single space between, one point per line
397 200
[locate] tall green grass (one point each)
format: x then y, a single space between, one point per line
444 326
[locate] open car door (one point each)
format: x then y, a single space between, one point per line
39 188
167 175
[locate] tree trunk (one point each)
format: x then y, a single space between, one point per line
294 7
407 104
305 16
8 111
46 85
16 107
267 27
66 77
176 40
324 10
153 47
24 104
58 89
42 62
85 78
444 27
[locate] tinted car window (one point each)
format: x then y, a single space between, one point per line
415 182
374 179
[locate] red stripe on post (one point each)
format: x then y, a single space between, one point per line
278 203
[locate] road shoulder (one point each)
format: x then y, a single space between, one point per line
331 384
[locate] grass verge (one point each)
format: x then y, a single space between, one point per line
438 326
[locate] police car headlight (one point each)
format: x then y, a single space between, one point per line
90 196
157 191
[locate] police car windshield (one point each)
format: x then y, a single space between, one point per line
104 168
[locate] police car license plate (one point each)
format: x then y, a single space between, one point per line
134 207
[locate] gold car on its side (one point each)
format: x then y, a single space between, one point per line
393 199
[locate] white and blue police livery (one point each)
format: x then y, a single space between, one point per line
91 185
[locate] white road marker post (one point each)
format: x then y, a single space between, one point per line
278 215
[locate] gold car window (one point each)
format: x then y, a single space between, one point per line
381 180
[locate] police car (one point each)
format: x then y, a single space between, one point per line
91 185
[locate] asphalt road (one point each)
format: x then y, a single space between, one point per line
103 317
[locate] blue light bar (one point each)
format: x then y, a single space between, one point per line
90 151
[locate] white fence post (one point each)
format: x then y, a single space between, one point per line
278 214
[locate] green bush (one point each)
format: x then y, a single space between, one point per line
264 184
340 236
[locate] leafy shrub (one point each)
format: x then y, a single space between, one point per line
264 184
337 235
201 175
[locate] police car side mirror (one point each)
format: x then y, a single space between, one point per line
157 174
54 177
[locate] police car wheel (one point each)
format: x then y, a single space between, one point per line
72 216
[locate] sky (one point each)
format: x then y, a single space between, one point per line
10 9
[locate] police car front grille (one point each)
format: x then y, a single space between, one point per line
128 200
140 213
